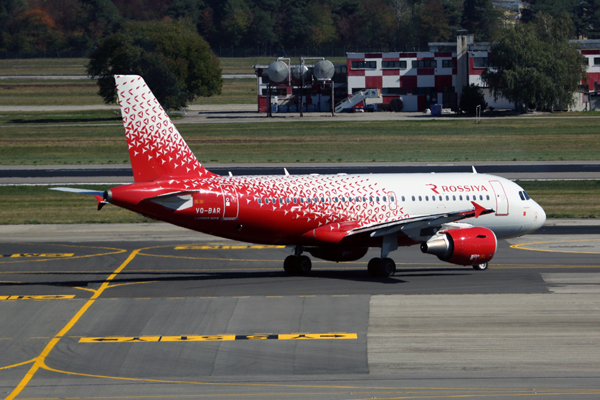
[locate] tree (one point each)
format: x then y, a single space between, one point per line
481 19
471 97
173 59
535 65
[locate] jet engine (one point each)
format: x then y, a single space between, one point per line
463 246
338 253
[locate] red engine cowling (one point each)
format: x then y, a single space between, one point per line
338 253
464 246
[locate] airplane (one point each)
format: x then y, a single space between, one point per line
457 217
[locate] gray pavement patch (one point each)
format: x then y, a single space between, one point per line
509 335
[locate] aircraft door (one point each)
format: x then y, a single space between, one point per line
230 201
501 198
393 200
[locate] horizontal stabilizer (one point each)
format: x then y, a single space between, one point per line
80 191
99 195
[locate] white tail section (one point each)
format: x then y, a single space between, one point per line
156 149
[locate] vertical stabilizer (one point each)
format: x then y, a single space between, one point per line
156 149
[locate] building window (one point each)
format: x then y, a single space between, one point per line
393 64
447 63
481 62
424 90
364 65
424 64
596 60
585 61
393 91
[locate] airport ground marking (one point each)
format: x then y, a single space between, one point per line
31 259
521 246
38 297
19 364
219 338
40 360
38 255
228 247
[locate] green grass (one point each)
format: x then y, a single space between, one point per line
98 137
235 91
566 199
40 92
44 66
39 205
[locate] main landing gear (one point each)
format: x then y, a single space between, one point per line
297 264
381 267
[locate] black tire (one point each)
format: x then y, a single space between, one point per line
373 266
304 265
290 265
480 267
387 267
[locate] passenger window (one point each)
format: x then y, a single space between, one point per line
481 197
385 199
274 200
364 199
335 199
322 200
420 198
467 197
259 201
295 200
413 198
267 201
343 199
487 196
377 199
308 199
460 197
403 199
426 198
453 197
301 200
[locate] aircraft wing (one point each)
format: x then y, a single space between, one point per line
424 225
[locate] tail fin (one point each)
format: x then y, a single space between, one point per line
156 149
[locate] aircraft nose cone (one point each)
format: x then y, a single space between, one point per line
540 217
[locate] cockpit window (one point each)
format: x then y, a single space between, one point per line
521 195
526 195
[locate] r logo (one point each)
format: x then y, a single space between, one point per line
433 188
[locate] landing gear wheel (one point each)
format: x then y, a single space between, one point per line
480 267
303 265
387 267
297 265
373 266
289 265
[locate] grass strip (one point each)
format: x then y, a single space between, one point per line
97 138
39 205
50 92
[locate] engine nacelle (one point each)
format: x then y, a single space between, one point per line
463 246
338 253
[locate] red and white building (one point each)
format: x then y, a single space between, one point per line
422 79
